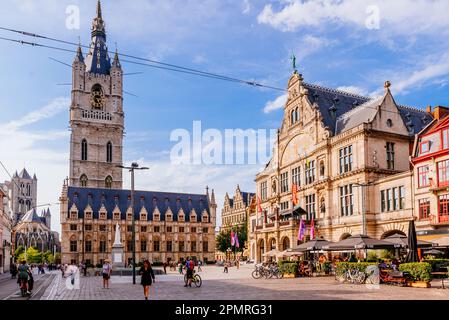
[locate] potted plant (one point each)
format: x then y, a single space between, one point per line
327 266
420 273
288 268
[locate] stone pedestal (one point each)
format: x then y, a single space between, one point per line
118 256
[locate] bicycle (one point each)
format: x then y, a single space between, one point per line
196 280
259 272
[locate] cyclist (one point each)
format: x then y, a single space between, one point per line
190 267
24 276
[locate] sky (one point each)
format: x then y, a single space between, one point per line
353 45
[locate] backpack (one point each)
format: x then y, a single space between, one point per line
191 265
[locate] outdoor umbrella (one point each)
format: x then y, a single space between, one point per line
401 241
434 252
441 242
313 245
412 255
362 242
271 253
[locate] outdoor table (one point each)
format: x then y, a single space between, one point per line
442 278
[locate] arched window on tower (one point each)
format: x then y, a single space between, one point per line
84 150
83 180
108 182
109 152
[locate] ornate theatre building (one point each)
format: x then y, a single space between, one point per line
348 155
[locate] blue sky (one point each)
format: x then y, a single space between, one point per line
246 39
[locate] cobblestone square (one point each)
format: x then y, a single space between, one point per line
237 284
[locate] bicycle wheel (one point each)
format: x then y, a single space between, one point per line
360 278
256 274
198 281
279 275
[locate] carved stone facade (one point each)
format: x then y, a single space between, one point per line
169 226
5 231
331 144
234 212
96 115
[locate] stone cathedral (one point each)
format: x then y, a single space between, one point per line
169 226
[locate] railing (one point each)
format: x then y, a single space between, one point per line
97 115
269 225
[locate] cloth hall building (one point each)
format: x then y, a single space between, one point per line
169 226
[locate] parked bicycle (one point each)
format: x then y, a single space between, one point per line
354 276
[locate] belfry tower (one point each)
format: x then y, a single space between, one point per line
96 114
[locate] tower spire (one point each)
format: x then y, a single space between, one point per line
99 10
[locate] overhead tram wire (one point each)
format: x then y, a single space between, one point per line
174 68
161 65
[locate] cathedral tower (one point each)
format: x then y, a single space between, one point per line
96 114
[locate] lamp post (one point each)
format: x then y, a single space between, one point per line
362 188
134 166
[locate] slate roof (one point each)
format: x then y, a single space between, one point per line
245 197
24 174
111 198
97 59
334 104
31 216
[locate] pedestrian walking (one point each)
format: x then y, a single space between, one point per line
165 267
199 265
226 270
237 264
107 270
147 277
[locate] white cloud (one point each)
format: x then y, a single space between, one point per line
276 104
23 147
53 108
195 179
396 17
246 7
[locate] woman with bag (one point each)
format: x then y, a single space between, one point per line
147 277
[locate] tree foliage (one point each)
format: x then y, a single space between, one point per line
223 240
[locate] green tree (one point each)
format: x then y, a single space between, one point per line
19 250
32 256
48 257
223 240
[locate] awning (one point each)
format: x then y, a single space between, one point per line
359 242
401 241
313 245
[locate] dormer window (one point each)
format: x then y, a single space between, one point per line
103 215
116 215
157 217
424 147
169 217
143 217
129 216
205 218
181 217
73 215
89 215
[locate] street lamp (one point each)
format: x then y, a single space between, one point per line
134 166
363 186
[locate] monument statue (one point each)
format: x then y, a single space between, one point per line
118 250
117 240
293 58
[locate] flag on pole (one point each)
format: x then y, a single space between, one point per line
294 195
232 238
236 241
312 229
259 206
302 230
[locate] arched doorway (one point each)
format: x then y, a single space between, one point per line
345 236
260 250
392 233
285 244
272 243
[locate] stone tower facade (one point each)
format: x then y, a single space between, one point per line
96 114
22 193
